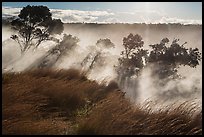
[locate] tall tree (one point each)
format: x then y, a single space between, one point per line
35 25
133 56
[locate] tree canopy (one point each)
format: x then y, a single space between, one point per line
34 25
167 58
133 56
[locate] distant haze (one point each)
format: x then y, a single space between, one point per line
151 34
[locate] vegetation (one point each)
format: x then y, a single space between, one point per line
35 25
97 55
164 60
168 58
131 60
63 48
60 102
41 100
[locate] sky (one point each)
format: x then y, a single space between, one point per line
114 12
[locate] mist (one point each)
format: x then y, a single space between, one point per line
138 90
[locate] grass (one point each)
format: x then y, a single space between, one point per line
59 102
116 116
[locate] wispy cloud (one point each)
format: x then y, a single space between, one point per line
138 16
176 20
80 16
8 11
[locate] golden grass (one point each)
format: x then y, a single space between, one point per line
41 95
116 116
58 102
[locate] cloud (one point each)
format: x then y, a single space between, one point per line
155 17
79 16
89 16
111 20
177 20
9 12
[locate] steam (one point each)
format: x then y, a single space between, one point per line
91 60
138 90
156 93
187 88
13 61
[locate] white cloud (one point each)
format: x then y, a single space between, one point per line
153 16
8 11
177 20
137 16
79 16
111 20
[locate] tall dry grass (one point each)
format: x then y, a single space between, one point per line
31 99
116 116
62 102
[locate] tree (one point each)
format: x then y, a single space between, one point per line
35 25
133 56
165 58
169 58
97 56
131 62
104 43
64 47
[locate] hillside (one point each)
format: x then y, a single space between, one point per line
46 101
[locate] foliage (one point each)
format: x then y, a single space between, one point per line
167 59
131 44
106 43
67 44
35 25
98 54
133 57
